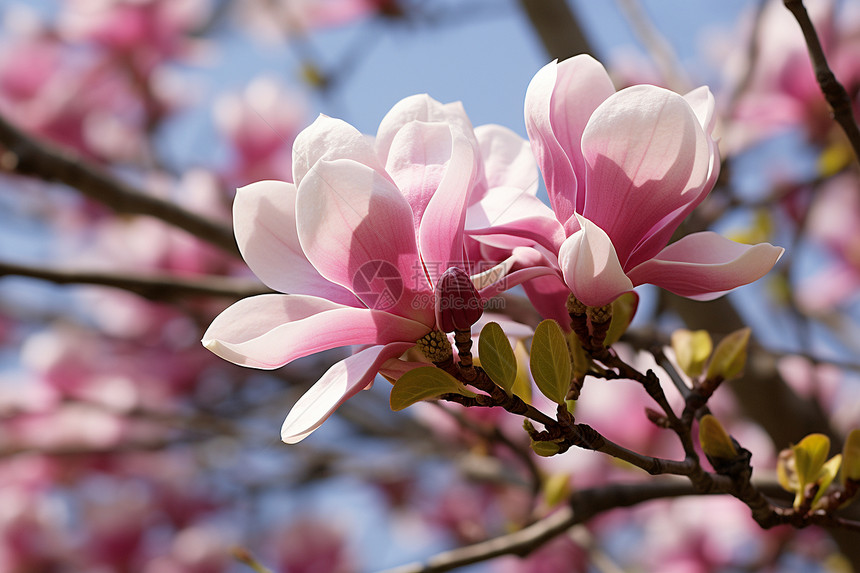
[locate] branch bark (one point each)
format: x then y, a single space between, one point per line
583 506
834 92
557 27
26 155
153 287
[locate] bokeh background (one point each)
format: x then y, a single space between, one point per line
125 446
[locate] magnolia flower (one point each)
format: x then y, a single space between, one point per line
782 92
622 170
359 241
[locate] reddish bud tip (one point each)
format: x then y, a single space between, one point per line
458 304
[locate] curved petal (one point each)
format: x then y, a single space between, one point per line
356 229
340 383
590 266
424 108
508 217
329 138
702 103
264 220
270 330
646 155
440 234
419 156
548 294
555 166
516 278
706 265
559 101
508 159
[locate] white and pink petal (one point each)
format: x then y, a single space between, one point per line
646 155
330 138
706 265
440 232
340 383
356 228
264 220
508 159
590 266
268 331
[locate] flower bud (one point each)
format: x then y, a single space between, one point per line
458 304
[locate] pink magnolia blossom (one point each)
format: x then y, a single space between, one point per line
622 170
72 99
143 33
261 124
359 241
783 92
298 17
834 223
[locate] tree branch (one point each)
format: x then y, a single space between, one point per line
583 506
27 156
558 28
834 92
153 287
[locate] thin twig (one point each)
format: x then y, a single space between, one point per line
27 156
834 92
656 44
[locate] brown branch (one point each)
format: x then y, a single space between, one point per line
583 506
558 28
153 287
834 92
27 156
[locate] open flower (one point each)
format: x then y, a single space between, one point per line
359 241
622 170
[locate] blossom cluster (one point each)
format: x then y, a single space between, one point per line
622 171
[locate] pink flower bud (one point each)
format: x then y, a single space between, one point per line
458 304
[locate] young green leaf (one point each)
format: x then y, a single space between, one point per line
826 476
692 349
545 449
851 457
623 309
556 489
497 356
809 457
550 361
714 440
422 383
523 383
730 356
580 361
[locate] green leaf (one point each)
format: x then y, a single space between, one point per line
497 356
580 361
851 457
692 349
523 383
545 449
809 457
730 356
623 309
714 440
550 361
422 383
826 476
556 489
